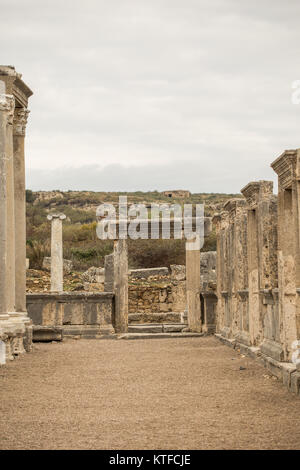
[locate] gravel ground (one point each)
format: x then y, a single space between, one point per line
146 394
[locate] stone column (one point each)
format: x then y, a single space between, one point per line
7 329
10 211
193 285
121 286
5 109
56 252
20 120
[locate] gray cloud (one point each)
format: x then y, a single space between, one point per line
131 94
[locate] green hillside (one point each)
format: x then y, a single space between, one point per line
79 229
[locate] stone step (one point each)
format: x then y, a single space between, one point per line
46 333
130 336
162 317
156 328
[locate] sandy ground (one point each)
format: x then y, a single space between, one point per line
147 394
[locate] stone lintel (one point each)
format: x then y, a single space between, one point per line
286 168
15 85
233 204
146 224
256 191
69 296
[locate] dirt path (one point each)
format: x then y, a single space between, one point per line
145 394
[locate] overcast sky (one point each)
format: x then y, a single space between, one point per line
155 94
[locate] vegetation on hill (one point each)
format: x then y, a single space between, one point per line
81 244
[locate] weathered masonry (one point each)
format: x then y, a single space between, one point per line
258 270
58 314
15 325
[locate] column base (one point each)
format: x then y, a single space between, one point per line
8 334
18 333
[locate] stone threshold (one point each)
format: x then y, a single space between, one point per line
130 336
50 333
286 372
156 328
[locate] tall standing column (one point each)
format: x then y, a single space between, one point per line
14 98
193 285
20 121
121 286
56 252
7 329
10 280
6 108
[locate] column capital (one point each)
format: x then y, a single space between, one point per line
56 216
7 103
20 121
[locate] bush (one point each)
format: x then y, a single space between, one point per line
36 251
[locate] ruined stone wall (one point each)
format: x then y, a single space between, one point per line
258 274
247 269
87 315
156 290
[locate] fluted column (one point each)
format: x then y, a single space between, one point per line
10 210
20 121
6 111
7 329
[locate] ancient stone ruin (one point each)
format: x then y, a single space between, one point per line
15 325
258 271
248 293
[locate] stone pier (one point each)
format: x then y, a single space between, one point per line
120 269
287 167
193 285
258 271
262 267
57 264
